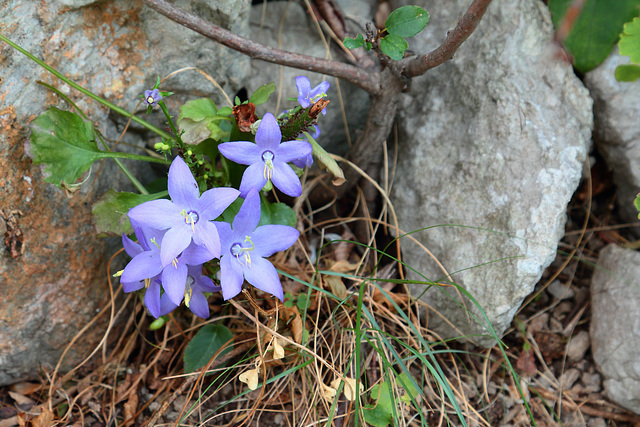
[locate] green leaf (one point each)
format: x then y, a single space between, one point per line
199 119
66 144
325 161
276 213
110 212
636 203
368 45
230 213
596 30
262 94
381 414
351 43
204 345
225 111
198 109
407 21
393 46
630 40
627 73
303 303
410 389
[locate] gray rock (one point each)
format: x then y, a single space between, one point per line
578 346
115 49
287 26
616 131
492 142
560 290
615 324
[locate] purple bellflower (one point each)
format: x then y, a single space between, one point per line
187 216
196 285
308 96
152 97
245 247
308 160
145 270
267 159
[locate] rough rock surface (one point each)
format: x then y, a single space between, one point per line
617 132
615 324
493 142
287 26
116 49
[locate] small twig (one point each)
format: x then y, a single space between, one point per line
418 65
366 80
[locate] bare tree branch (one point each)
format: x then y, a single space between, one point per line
369 81
419 65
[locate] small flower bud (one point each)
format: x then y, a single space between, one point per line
200 162
205 176
189 153
158 146
166 147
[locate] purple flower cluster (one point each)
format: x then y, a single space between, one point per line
176 237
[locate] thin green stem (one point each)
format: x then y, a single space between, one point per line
131 156
122 167
170 121
90 94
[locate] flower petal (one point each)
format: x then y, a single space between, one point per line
248 216
207 235
293 150
196 254
166 305
132 286
145 265
286 180
270 239
268 136
152 299
231 277
173 243
226 236
199 305
304 87
263 275
183 188
160 214
204 284
254 177
130 247
321 89
174 280
242 152
213 202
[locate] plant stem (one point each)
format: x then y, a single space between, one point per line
171 124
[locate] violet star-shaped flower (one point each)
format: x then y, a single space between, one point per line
152 97
267 159
308 96
187 216
145 270
197 284
245 247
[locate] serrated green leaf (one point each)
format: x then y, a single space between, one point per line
204 345
110 211
276 213
407 21
198 109
393 46
381 414
351 43
262 94
66 144
627 73
325 160
630 40
199 119
596 30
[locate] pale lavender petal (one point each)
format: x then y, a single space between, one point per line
249 214
254 177
263 275
173 243
268 136
166 306
286 180
225 234
145 265
304 162
132 286
199 305
213 202
270 239
230 277
130 247
174 280
196 254
304 87
207 235
205 284
152 299
160 214
242 152
293 150
183 188
321 89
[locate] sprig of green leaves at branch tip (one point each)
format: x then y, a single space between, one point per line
630 46
406 21
66 145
